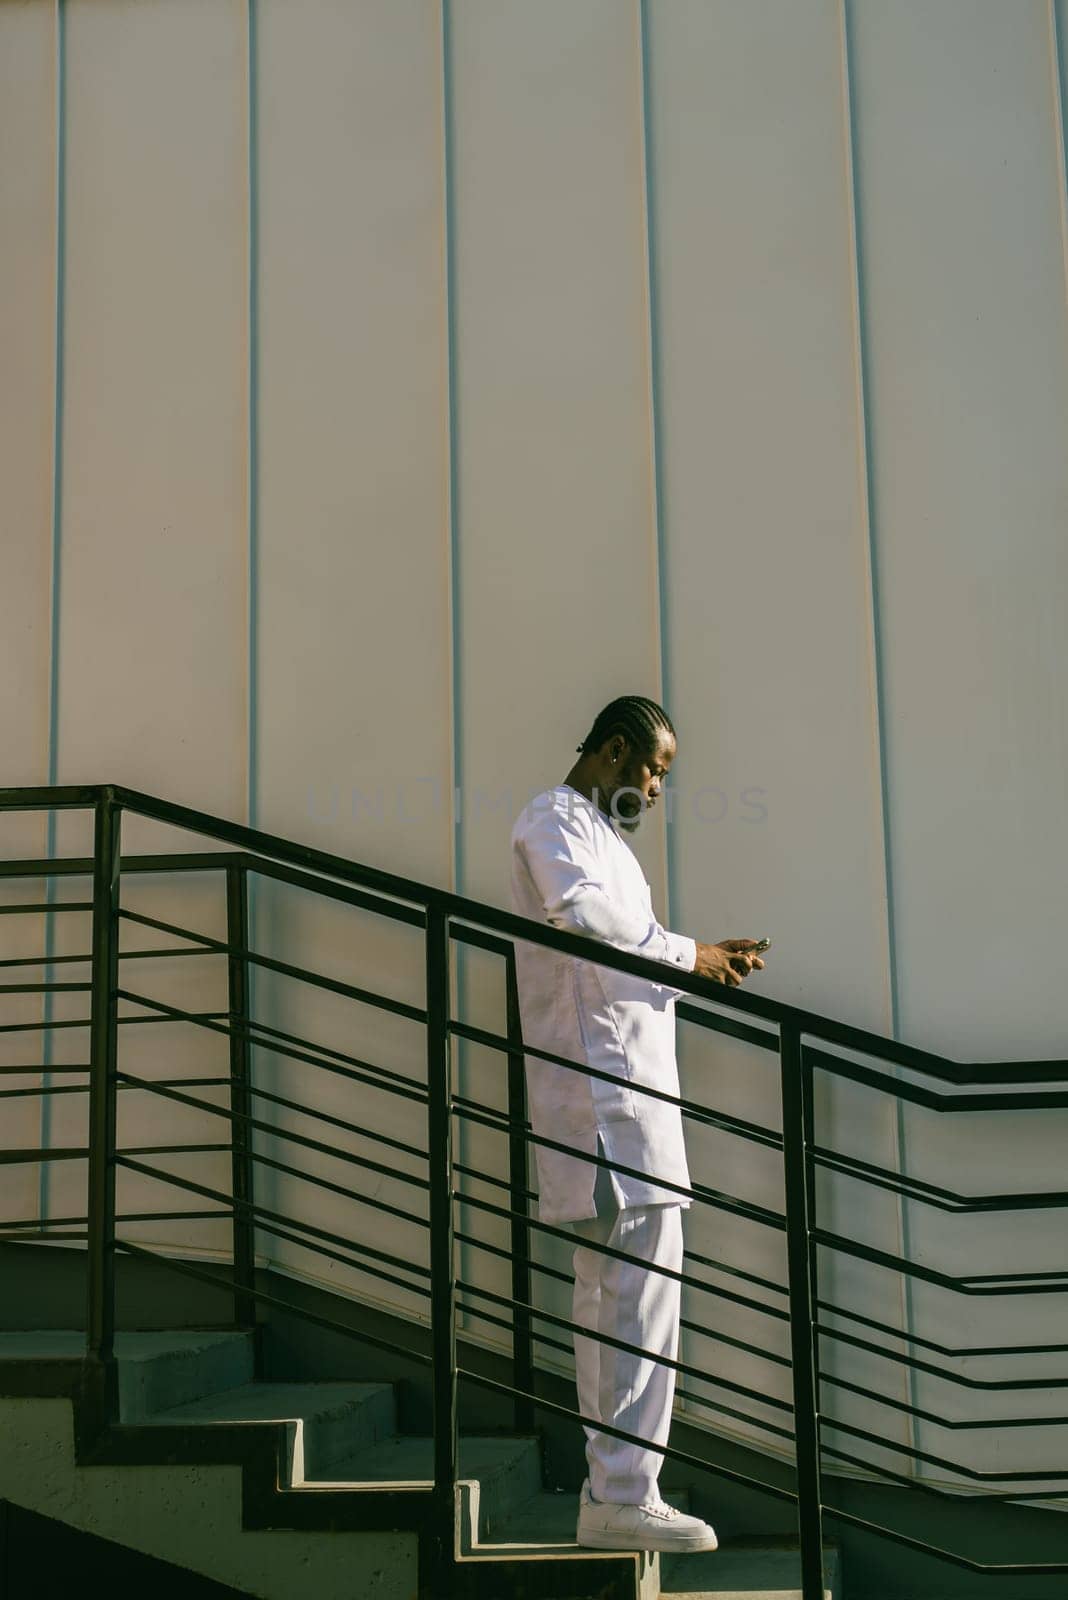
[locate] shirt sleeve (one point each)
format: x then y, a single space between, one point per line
562 860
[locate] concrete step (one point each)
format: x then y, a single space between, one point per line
331 1420
499 1473
156 1370
542 1530
745 1569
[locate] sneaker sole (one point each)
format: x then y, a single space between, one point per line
664 1546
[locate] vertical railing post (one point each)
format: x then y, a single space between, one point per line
522 1333
103 1065
796 1125
240 1097
442 1267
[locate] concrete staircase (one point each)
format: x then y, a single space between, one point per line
308 1488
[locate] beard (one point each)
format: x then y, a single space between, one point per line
629 809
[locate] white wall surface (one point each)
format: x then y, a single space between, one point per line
387 385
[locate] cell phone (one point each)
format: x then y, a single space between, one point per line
758 948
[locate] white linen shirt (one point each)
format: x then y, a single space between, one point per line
572 868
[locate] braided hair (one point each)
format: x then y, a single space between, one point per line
640 721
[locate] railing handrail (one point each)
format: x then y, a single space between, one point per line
779 1012
443 916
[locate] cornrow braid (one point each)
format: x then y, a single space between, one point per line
640 721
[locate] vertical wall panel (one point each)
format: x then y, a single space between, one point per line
153 621
776 807
556 559
966 294
556 578
352 696
961 178
28 132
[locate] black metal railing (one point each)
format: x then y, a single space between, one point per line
804 1042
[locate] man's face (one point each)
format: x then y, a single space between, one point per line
640 781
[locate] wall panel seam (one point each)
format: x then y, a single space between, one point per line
867 506
59 15
1056 49
652 353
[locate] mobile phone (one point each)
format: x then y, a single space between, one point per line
758 948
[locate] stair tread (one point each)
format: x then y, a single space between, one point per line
410 1459
271 1402
547 1522
742 1570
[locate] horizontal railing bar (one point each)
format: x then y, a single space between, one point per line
257 1213
917 1485
173 1149
697 1191
931 1098
45 988
686 1323
82 866
405 1086
486 1177
39 1066
667 1450
919 1365
621 1344
696 1113
747 1277
339 1122
44 1222
19 1158
83 1088
42 1090
762 1038
211 945
464 933
1004 1569
58 905
931 1344
60 1238
122 1216
680 1393
967 1423
337 1188
994 1283
703 1114
492 918
244 1030
38 1027
277 1218
345 1260
279 1305
944 1462
337 891
290 1137
175 1216
279 1166
287 969
928 1193
84 1022
556 1232
124 955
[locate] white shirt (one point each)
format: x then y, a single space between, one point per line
572 867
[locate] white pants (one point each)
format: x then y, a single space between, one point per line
626 1301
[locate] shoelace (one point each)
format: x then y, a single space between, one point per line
669 1513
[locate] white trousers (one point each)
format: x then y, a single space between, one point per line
625 1300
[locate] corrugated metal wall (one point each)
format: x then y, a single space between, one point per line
386 385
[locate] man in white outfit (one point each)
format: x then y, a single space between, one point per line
572 867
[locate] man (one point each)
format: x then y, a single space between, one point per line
572 867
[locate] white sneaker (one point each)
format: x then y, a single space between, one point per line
605 1526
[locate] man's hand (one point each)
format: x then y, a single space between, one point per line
728 962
